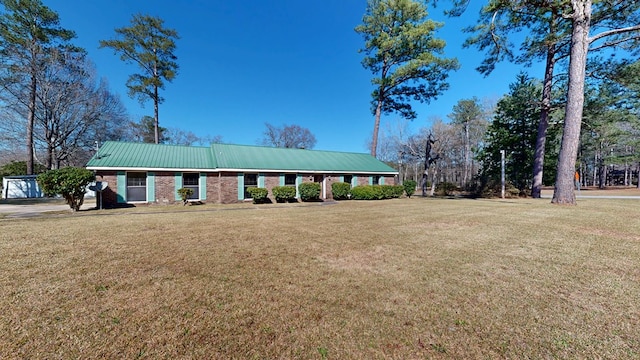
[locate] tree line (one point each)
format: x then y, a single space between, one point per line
581 114
406 58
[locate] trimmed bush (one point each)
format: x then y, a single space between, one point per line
376 192
284 193
367 192
259 195
340 190
70 182
309 191
409 187
391 191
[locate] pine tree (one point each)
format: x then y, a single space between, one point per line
151 46
403 52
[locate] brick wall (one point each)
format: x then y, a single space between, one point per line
222 187
271 181
213 188
165 185
228 188
109 198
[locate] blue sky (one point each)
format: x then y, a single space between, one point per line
244 63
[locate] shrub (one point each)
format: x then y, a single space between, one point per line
492 189
340 190
391 191
445 189
376 192
309 191
367 192
284 193
259 195
70 182
185 193
409 187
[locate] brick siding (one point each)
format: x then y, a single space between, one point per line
222 188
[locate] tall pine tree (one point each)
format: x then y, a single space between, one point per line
151 46
405 56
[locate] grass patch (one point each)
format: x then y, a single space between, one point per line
409 278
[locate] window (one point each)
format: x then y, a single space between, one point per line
290 179
250 180
376 180
192 181
348 179
136 186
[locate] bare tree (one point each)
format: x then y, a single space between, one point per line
73 109
288 136
29 30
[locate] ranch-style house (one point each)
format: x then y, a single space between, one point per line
221 173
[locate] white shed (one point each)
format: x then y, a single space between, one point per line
17 187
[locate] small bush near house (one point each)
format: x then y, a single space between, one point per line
309 191
284 193
409 187
376 192
367 192
340 190
184 195
392 191
70 182
259 195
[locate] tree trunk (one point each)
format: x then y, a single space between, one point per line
49 160
541 139
155 115
30 123
564 187
595 169
433 181
156 100
467 150
376 128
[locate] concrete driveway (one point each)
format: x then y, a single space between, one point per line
16 210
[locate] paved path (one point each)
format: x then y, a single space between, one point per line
549 196
33 210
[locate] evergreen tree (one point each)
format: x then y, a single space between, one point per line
514 130
151 46
558 28
403 52
611 20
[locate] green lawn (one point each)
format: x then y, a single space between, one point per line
400 279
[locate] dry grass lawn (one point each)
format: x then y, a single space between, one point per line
402 279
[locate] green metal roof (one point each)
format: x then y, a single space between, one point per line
151 156
121 155
270 158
